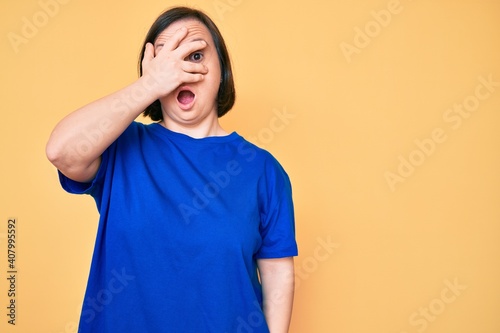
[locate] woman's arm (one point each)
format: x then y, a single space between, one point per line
78 141
278 283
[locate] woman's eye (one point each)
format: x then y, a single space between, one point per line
196 57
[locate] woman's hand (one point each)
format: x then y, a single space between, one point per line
168 69
77 142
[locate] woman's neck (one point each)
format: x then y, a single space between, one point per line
198 131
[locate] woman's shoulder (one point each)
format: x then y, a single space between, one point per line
259 156
135 129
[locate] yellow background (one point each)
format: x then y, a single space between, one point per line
348 120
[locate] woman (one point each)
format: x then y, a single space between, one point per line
196 229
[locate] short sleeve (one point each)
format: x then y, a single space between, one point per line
93 188
277 226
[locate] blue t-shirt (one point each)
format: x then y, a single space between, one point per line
182 222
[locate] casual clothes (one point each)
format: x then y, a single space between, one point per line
182 222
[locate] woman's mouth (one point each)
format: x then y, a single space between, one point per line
186 98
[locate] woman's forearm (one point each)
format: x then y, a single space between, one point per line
78 140
277 278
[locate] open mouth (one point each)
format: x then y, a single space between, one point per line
185 97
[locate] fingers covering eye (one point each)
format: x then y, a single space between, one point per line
191 67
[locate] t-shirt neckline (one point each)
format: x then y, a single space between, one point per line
163 131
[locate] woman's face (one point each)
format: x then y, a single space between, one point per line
190 104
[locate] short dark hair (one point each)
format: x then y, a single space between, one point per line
226 94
